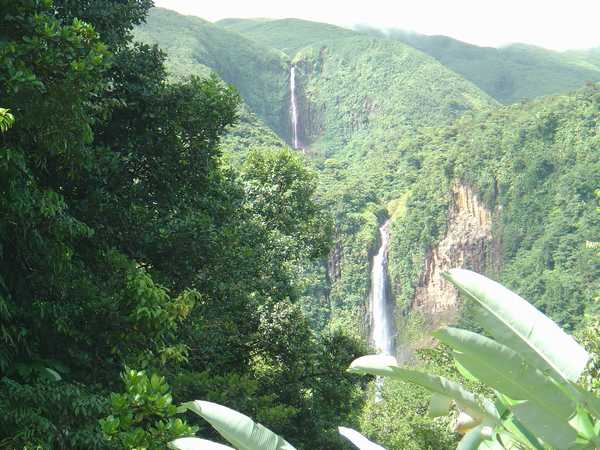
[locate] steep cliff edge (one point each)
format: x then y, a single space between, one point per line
468 243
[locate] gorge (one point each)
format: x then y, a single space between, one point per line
236 210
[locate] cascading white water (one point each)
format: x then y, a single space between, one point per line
382 330
294 106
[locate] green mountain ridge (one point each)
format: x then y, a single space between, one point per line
535 166
510 73
370 110
287 35
197 47
381 120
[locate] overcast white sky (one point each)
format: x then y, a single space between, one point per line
555 24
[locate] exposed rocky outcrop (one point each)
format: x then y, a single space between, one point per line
334 262
468 243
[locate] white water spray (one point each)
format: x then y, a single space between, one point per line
294 106
381 320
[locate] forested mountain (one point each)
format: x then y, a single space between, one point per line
287 35
161 242
508 74
535 167
511 73
362 102
195 46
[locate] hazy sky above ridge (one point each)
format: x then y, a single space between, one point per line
554 24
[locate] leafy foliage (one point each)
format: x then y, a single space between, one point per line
401 420
533 166
126 240
532 365
144 415
140 228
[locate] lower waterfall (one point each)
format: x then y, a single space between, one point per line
382 323
382 328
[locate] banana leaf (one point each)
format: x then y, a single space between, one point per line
476 406
192 443
504 370
517 324
237 428
361 442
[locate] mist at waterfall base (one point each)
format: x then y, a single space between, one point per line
382 329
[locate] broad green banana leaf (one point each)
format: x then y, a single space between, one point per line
474 438
503 369
493 445
521 434
587 399
237 428
553 431
503 441
584 425
464 372
361 442
475 406
517 324
192 443
380 365
439 405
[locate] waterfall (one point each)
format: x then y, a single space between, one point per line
382 329
294 107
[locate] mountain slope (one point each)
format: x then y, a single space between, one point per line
195 46
355 84
392 129
362 104
535 168
287 35
510 73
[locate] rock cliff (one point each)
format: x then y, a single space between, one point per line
468 243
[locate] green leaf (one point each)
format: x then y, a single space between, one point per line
192 443
473 438
358 439
583 424
522 434
519 325
237 428
504 370
475 406
439 405
503 441
547 426
587 399
492 445
464 372
51 374
380 365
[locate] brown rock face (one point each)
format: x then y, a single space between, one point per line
334 262
467 244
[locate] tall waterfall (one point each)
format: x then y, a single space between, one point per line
382 328
294 107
